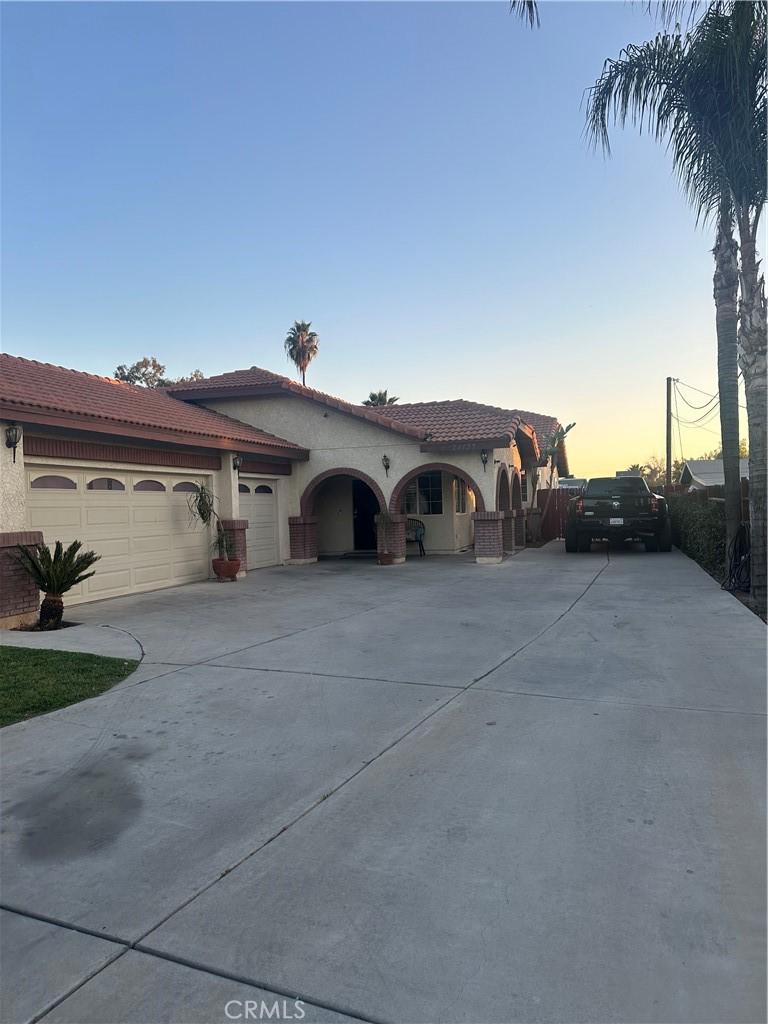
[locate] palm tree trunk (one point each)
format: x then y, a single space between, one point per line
51 611
752 359
726 284
303 378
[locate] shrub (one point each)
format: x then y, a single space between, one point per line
698 529
55 574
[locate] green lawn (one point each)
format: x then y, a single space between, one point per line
34 682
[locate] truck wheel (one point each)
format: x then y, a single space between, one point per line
585 543
651 544
665 536
571 539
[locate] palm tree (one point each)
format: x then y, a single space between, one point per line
637 468
380 398
526 10
301 346
703 94
55 574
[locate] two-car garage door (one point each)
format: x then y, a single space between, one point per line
139 522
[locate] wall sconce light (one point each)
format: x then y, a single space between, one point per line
237 461
386 463
12 437
484 458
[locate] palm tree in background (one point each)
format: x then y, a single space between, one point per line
380 398
703 94
301 346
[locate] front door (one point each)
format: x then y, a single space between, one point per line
364 508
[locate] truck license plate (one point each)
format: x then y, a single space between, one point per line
615 522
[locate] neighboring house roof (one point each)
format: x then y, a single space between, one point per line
35 392
703 473
257 382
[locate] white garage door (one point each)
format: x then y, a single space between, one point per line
138 522
259 506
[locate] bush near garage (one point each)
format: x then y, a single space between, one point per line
698 529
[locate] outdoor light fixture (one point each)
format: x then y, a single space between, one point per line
237 462
12 437
386 463
484 458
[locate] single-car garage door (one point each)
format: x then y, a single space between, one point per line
138 522
259 507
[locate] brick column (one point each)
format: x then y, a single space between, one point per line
303 534
19 597
390 536
519 515
235 531
508 532
489 544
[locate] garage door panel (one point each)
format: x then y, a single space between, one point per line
261 536
146 539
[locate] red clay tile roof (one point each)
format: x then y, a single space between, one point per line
42 393
460 420
256 381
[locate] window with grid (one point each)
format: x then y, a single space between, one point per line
424 495
460 495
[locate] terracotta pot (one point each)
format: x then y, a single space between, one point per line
386 558
226 568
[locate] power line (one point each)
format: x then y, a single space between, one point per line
705 393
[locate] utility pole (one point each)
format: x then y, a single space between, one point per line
669 434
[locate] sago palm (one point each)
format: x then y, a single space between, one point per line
703 94
301 344
55 574
380 398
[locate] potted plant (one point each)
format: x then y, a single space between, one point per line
383 523
55 574
202 508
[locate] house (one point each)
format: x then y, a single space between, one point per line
297 474
699 474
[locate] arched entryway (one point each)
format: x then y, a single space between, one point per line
443 500
398 494
342 504
503 495
517 492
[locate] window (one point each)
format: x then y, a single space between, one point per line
54 483
460 495
524 486
262 489
243 489
148 485
105 483
186 486
615 487
424 495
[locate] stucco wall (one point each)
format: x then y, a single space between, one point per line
13 487
337 439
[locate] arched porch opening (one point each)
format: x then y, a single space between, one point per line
343 504
517 492
443 498
503 494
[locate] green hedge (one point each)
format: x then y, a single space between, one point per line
698 529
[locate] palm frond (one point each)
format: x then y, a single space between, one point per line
526 10
58 572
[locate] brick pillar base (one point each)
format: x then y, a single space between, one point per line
390 536
489 543
303 534
19 597
235 531
508 532
519 515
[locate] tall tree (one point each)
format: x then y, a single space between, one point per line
703 94
301 346
150 373
380 398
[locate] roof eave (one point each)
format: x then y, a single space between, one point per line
24 414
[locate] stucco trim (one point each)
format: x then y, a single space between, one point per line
431 467
310 491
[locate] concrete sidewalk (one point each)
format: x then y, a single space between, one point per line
436 792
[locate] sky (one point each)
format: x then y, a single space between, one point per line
185 180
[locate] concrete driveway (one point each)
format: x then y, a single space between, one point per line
435 792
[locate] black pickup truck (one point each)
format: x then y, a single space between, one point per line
618 509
